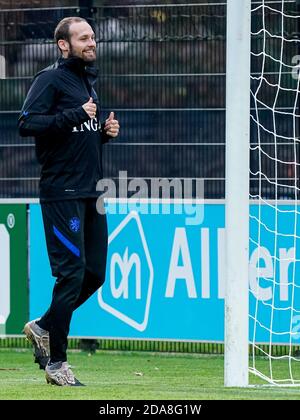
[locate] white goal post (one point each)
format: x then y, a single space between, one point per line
262 295
237 192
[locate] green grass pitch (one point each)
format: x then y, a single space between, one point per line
129 375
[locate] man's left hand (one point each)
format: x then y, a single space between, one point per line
112 126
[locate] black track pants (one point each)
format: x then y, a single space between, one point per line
76 236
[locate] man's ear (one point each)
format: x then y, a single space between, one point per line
63 45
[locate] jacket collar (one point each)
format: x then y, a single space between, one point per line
77 65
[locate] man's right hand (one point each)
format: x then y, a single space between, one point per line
90 108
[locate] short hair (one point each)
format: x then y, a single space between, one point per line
62 30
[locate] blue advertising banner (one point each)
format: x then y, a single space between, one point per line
274 276
165 275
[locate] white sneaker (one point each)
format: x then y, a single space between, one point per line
40 341
61 374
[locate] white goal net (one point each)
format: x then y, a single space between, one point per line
274 275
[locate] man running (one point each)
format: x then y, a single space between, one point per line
62 112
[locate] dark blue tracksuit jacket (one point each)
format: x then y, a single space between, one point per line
68 142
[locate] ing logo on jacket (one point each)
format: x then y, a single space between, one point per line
90 125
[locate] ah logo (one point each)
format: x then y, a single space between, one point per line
125 265
127 294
